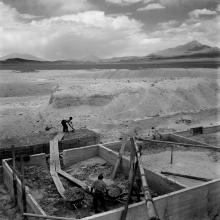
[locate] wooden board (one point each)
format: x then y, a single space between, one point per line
55 166
59 136
73 179
58 183
117 164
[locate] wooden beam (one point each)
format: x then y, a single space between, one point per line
55 166
23 190
14 175
117 164
151 210
186 176
46 216
74 180
176 143
58 184
131 182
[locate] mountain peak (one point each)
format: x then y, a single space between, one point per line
191 49
20 56
194 43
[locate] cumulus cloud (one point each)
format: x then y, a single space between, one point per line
123 2
73 36
176 32
200 12
49 8
152 6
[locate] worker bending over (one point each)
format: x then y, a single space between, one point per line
99 190
154 134
65 124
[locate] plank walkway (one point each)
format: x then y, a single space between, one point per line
55 168
55 164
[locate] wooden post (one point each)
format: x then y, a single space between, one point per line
151 210
118 159
14 175
171 156
23 192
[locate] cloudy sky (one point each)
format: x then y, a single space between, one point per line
70 29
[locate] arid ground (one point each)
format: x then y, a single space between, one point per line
111 102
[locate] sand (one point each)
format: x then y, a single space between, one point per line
111 102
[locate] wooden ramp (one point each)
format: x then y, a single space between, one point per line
55 168
55 164
74 180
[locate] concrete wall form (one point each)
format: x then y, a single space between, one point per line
32 205
159 183
192 203
187 140
195 203
206 130
45 148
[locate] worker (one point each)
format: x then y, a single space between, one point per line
137 187
154 134
99 189
65 124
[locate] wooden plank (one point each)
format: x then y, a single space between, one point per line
46 216
152 213
186 176
59 136
73 179
176 143
23 190
14 175
117 164
58 184
56 157
54 166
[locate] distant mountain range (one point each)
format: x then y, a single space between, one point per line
21 56
193 49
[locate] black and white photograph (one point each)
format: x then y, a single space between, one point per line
109 109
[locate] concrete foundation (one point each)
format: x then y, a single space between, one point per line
32 205
176 202
83 137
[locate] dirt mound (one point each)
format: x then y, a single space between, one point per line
140 99
74 194
18 89
65 100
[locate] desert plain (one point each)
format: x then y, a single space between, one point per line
111 102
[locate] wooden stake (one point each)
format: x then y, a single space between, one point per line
14 175
23 192
171 156
117 164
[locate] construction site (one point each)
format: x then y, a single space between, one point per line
179 172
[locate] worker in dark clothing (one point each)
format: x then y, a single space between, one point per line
99 189
137 188
65 124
